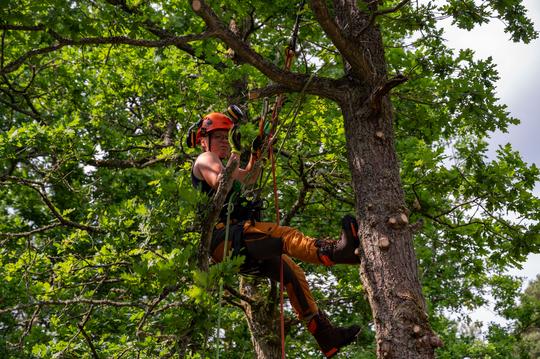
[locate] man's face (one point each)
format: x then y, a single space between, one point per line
219 143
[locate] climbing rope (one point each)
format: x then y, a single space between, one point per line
230 207
290 53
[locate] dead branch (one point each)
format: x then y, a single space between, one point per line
239 295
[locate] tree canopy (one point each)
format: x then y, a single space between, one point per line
99 233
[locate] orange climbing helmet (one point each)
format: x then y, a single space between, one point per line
212 122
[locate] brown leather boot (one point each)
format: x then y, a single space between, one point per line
330 338
341 251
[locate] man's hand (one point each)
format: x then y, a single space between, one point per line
234 140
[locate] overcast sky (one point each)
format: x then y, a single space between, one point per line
519 71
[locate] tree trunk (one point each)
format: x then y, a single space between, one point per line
261 318
389 270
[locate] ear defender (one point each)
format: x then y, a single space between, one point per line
191 139
235 112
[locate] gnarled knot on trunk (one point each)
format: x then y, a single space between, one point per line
411 310
430 340
384 242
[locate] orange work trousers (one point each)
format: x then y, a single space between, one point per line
263 245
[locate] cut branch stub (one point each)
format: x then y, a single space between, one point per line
403 218
379 135
384 242
386 348
398 221
417 330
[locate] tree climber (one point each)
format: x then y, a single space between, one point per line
262 243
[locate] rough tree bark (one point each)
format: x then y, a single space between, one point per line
261 315
389 270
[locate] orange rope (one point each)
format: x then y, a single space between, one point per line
275 115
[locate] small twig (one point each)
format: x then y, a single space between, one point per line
39 187
88 341
166 291
116 40
29 233
29 326
73 302
238 294
392 9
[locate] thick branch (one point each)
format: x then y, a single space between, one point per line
354 57
296 82
377 96
114 40
212 215
268 91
